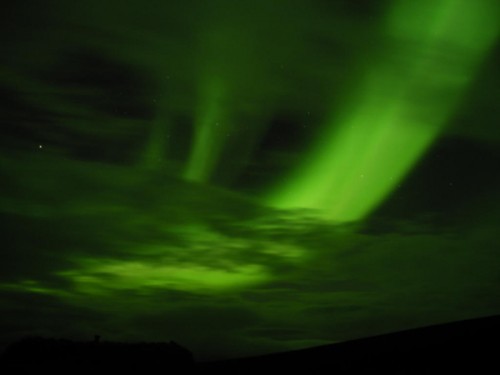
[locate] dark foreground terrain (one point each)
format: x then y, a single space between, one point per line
469 346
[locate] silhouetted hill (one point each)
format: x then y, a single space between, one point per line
470 346
59 355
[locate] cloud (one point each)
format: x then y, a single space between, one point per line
371 284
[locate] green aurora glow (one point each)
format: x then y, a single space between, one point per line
210 131
395 115
247 176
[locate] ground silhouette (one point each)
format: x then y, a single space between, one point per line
469 346
61 355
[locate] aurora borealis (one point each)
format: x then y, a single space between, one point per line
394 119
248 177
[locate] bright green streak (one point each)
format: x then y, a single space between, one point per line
400 108
209 133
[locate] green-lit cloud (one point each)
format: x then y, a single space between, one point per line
137 143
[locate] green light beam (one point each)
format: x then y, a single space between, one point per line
400 108
210 131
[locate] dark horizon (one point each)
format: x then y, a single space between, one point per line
457 346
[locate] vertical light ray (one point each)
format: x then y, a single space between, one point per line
400 108
156 147
210 130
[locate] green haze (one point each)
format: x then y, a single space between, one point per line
409 92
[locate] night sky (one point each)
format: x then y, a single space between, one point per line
246 177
